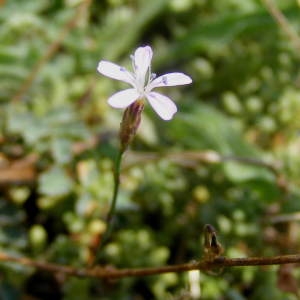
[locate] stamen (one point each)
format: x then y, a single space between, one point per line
134 67
164 80
122 69
153 76
149 74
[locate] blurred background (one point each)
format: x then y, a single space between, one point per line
230 157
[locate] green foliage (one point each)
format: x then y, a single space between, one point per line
58 141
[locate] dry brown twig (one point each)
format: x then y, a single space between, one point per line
212 260
188 159
283 23
191 159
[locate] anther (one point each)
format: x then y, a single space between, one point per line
164 80
153 76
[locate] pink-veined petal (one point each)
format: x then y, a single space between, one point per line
163 105
123 98
142 61
114 71
170 79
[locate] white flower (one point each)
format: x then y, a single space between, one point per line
143 82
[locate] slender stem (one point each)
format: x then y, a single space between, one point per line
116 190
109 219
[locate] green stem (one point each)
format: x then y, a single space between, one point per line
116 191
112 209
113 205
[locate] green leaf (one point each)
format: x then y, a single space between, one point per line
28 126
55 182
61 150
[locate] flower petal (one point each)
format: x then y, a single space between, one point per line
170 79
114 71
123 98
163 105
142 61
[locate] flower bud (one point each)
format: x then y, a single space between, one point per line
130 123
